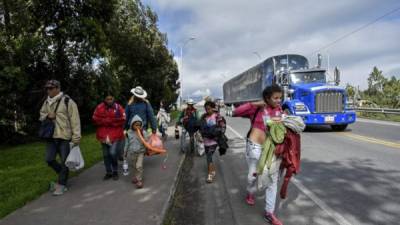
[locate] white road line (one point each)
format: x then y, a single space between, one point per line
235 132
328 210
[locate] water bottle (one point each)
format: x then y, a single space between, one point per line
125 170
176 133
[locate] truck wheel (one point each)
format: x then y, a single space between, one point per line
339 127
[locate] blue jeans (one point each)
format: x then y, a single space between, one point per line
183 140
61 147
110 156
162 130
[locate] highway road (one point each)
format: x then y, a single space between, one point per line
350 177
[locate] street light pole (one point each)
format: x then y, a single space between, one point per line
180 73
256 53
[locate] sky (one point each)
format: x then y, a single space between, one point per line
233 35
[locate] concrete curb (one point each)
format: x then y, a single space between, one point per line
172 190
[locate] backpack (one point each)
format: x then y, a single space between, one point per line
190 122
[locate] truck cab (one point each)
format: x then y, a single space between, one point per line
308 94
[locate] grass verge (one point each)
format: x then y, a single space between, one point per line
24 174
379 116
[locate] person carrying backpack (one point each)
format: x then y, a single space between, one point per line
188 118
60 110
212 128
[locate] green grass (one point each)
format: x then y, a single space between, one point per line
24 174
379 116
174 115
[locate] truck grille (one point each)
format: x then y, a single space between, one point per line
328 102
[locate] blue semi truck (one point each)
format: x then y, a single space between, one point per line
307 93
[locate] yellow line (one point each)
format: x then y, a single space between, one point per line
372 140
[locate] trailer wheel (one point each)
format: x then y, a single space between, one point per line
339 127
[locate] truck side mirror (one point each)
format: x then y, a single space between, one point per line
336 76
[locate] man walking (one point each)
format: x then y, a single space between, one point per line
63 111
188 118
109 117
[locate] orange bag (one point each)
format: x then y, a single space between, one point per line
154 145
155 141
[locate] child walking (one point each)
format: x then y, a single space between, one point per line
136 149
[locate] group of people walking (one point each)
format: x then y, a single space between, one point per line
119 128
266 151
117 131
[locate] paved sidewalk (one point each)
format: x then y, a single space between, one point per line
90 200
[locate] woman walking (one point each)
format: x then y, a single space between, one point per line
109 117
262 113
212 126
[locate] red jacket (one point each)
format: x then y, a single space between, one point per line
109 121
289 150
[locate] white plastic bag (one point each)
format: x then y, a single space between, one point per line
75 160
200 148
199 145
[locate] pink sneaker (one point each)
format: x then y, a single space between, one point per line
250 199
272 219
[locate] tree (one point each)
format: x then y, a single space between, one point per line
376 81
350 90
93 47
391 90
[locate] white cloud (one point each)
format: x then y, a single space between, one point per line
202 93
229 31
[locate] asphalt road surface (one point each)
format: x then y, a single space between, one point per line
349 177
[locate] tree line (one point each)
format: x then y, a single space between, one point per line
382 91
92 47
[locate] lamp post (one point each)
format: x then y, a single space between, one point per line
180 74
256 53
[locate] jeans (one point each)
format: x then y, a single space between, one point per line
183 140
253 153
209 152
110 155
58 146
162 128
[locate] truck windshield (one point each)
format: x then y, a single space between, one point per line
294 62
308 77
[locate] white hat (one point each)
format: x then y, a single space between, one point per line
190 101
139 92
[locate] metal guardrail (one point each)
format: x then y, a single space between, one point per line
378 110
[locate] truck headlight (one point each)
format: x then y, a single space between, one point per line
300 107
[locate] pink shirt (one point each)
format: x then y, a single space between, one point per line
248 110
211 121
